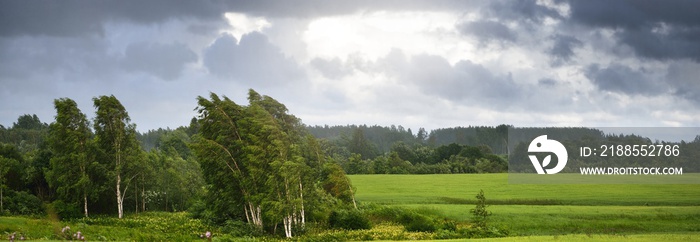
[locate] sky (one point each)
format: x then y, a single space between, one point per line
431 64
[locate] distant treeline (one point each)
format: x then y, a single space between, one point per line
362 149
382 138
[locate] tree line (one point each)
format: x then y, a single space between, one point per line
361 149
252 166
255 164
75 167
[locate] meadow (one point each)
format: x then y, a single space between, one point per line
529 212
546 211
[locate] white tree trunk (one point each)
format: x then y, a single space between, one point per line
247 216
255 216
301 196
120 205
287 221
85 203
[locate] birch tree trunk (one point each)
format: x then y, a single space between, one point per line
287 221
85 203
301 196
120 207
143 196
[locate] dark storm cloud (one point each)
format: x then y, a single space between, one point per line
653 29
631 14
625 80
59 56
517 10
563 48
162 60
331 69
81 17
253 60
676 43
488 31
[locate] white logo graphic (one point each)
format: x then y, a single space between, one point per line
542 144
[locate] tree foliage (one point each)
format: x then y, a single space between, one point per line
73 162
258 161
118 148
479 213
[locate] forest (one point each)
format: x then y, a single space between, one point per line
255 167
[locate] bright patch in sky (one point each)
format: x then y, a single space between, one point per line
373 34
242 24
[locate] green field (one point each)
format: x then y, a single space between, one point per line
546 209
532 212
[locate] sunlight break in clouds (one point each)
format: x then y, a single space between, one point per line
242 24
373 34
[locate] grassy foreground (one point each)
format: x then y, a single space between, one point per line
583 237
545 209
152 226
532 212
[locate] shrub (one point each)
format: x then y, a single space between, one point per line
23 203
348 219
479 214
237 228
416 222
65 210
449 225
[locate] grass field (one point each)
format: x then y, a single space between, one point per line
587 238
152 226
530 212
545 209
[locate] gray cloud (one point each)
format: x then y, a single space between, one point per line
622 79
653 29
59 56
331 69
84 48
253 60
683 77
563 48
162 60
463 82
547 82
519 10
632 14
316 8
488 31
85 17
677 43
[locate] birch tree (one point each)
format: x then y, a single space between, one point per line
252 157
70 141
117 143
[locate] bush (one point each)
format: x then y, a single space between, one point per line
412 220
23 203
348 219
65 210
237 228
416 222
479 213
